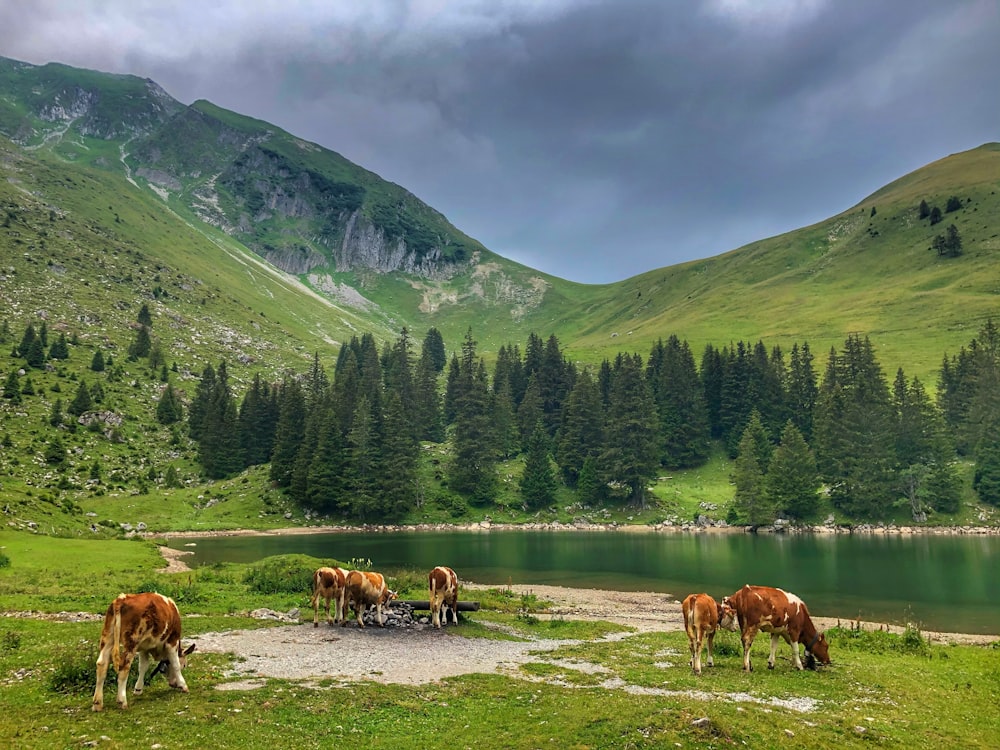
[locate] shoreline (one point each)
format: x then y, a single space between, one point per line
649 610
556 526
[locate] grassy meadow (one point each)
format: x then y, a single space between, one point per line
629 690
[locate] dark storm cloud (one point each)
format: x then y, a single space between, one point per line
593 140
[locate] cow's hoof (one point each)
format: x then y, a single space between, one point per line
97 707
137 691
315 624
770 666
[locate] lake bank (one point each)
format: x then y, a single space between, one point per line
692 528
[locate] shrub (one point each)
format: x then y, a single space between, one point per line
288 574
75 672
4 560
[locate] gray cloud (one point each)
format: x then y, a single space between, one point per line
592 140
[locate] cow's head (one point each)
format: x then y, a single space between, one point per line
727 615
164 664
387 596
818 651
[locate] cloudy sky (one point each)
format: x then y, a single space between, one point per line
591 139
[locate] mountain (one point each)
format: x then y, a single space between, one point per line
251 246
242 191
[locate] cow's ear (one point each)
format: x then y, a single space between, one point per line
189 649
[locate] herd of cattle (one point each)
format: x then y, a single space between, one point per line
149 624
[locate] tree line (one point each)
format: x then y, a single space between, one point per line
352 443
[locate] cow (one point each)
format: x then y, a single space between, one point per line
365 589
702 618
779 613
329 583
443 585
145 624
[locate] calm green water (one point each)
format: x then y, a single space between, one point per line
943 583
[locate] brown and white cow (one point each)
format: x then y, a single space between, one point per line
779 613
365 589
443 585
702 618
329 583
145 624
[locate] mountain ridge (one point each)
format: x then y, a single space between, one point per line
356 240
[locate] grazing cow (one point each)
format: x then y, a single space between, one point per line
702 618
779 613
365 589
443 584
145 624
329 583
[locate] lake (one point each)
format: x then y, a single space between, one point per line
943 583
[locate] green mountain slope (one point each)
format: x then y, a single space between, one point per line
243 191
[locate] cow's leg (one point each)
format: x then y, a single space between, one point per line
126 667
796 659
359 608
696 646
454 610
103 659
378 614
175 677
339 607
314 601
143 667
711 638
326 603
748 636
775 637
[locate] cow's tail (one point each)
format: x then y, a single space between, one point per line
436 594
116 633
315 595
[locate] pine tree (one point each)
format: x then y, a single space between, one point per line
530 410
169 409
684 426
201 402
326 484
538 483
589 489
505 422
81 401
219 450
56 415
854 432
792 481
35 356
427 414
141 344
257 423
433 347
30 335
987 476
631 452
581 435
364 463
400 455
97 362
59 348
144 318
289 432
802 389
711 375
472 470
12 388
55 452
751 504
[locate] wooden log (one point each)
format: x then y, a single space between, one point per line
424 604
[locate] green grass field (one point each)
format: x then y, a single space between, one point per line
630 691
